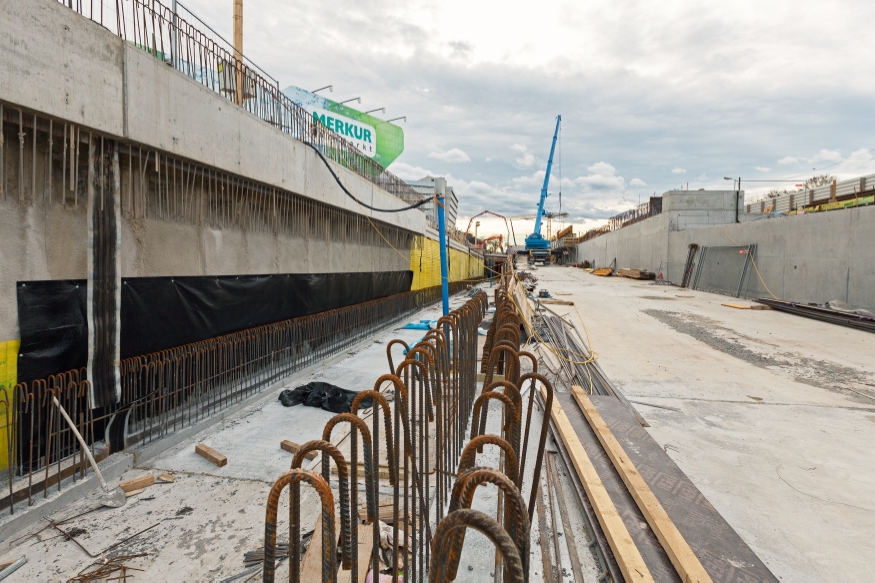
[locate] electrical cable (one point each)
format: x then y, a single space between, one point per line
349 194
753 261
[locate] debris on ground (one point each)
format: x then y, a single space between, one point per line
322 395
210 454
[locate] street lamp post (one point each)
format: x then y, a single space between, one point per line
737 187
476 225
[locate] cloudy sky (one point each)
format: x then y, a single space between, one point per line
653 96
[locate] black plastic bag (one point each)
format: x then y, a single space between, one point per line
324 396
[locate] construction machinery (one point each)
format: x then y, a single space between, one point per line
537 247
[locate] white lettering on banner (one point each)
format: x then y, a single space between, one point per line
360 135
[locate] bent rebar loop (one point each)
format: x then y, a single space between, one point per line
371 485
293 478
512 373
399 397
442 552
389 352
481 410
469 456
531 357
428 375
510 390
436 367
515 520
548 407
508 331
328 450
380 400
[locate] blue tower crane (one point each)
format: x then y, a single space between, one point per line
537 247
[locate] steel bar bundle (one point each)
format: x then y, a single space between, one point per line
823 314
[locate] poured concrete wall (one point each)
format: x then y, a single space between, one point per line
807 258
65 66
62 66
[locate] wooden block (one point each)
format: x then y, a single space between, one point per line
210 454
557 302
628 557
138 483
676 547
292 447
134 492
166 478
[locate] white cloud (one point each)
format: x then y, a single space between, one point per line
451 155
826 155
788 160
637 182
526 158
407 171
677 170
602 168
763 169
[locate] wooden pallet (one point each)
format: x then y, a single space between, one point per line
635 273
604 271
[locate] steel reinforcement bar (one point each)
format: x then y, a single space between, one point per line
166 391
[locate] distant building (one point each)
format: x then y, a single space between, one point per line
425 186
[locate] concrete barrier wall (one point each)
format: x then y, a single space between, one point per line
806 258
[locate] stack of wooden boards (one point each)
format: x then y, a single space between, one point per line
635 273
658 525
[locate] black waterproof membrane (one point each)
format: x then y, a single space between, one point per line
163 312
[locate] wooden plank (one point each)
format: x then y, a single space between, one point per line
481 377
557 302
747 307
210 454
676 547
134 492
366 545
625 552
138 483
292 447
311 564
166 478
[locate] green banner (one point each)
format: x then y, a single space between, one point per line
373 137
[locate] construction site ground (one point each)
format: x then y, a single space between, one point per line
757 407
210 516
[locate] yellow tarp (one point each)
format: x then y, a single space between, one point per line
425 262
8 379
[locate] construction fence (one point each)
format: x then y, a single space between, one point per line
425 262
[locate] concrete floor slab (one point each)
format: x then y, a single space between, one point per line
767 428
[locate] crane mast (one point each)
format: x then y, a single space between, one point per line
537 246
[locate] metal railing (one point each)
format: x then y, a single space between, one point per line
172 389
624 219
206 58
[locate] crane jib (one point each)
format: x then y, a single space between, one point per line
535 242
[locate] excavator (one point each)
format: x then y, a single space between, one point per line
537 247
493 247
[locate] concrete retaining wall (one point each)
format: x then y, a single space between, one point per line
807 258
61 66
70 68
